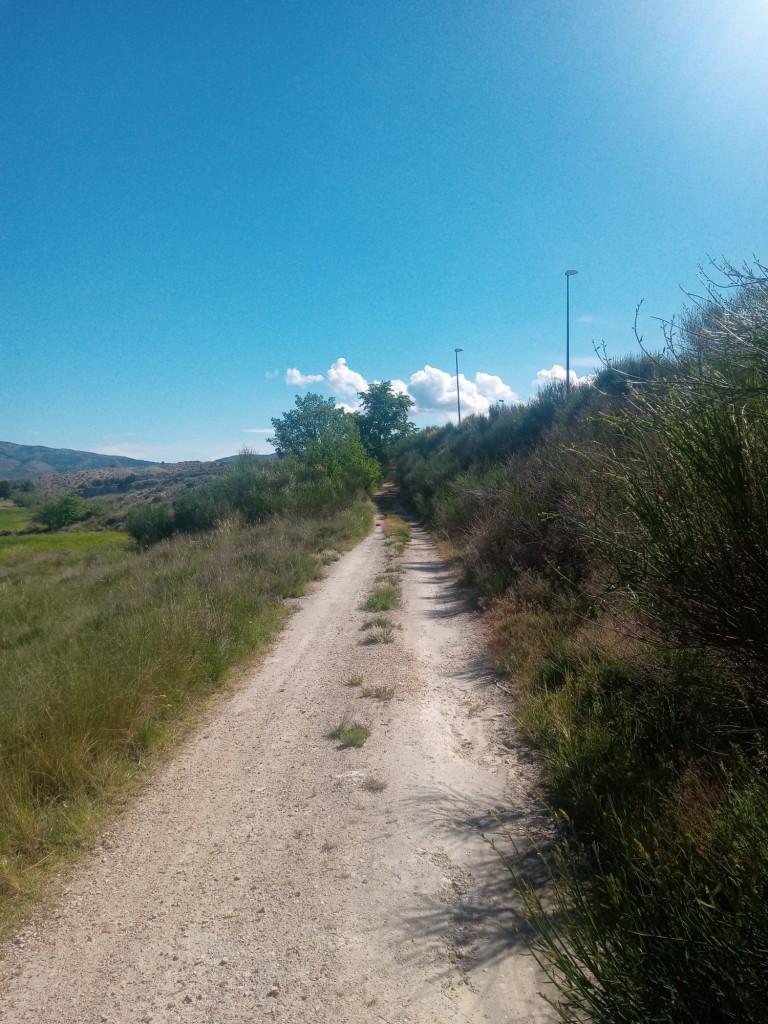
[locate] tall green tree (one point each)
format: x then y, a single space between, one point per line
313 418
326 439
384 418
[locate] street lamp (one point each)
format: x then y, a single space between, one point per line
458 395
568 275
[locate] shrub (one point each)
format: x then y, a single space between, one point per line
148 524
63 511
196 510
673 929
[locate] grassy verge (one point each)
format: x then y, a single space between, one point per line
107 651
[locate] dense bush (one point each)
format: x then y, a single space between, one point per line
619 538
63 511
254 491
149 524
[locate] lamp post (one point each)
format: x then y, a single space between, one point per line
458 395
568 275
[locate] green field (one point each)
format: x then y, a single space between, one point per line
12 548
14 518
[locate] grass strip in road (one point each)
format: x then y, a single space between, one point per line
397 533
378 630
107 653
385 597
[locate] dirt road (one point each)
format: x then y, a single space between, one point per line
262 875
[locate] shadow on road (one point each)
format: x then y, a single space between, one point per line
487 901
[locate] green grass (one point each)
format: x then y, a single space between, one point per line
355 680
17 549
106 652
383 598
14 518
349 733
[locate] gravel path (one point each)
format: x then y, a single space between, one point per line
262 875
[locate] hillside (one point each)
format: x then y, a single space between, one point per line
25 461
139 483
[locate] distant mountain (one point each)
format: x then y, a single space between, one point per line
25 461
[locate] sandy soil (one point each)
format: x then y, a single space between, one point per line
260 877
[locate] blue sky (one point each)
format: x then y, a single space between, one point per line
198 198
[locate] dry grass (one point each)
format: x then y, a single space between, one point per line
373 784
378 630
383 693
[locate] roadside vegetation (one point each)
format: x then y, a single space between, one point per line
111 640
617 536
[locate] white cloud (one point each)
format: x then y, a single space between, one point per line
493 387
302 380
271 374
259 430
343 381
434 390
556 375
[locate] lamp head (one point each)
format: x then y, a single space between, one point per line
458 350
570 273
